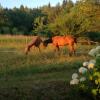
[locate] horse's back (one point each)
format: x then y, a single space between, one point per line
58 40
36 40
64 40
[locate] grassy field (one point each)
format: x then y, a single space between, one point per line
38 76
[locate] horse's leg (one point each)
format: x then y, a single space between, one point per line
73 49
27 49
75 45
39 49
70 49
57 48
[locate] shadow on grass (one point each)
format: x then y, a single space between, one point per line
53 90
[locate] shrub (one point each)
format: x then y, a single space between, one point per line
88 78
5 30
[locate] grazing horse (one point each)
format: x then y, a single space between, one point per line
36 41
58 41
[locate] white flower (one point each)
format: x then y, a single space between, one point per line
74 81
74 76
93 52
98 48
91 65
85 64
92 61
82 79
82 70
98 55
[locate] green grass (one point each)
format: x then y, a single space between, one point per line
38 76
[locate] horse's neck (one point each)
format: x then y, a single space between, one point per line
48 40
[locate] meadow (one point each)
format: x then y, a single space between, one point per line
41 75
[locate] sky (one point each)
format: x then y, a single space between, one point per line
28 3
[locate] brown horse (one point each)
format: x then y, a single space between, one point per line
58 41
36 41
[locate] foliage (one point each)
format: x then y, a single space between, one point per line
79 19
94 36
18 19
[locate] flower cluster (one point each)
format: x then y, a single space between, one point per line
82 71
95 52
88 76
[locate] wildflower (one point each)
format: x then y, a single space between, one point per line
85 64
91 78
92 61
97 74
74 81
99 80
98 55
96 82
98 48
94 91
82 79
82 70
93 52
91 65
74 76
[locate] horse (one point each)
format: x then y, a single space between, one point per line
58 41
36 41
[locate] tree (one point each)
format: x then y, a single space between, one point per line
39 24
49 5
22 8
69 5
64 3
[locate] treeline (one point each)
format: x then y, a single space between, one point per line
80 19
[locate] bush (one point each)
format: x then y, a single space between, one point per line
5 30
88 79
94 36
14 30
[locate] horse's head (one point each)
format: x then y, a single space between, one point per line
46 42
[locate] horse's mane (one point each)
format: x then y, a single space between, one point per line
48 40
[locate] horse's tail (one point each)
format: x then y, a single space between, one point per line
75 39
75 42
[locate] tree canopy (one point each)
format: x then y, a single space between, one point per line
80 19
